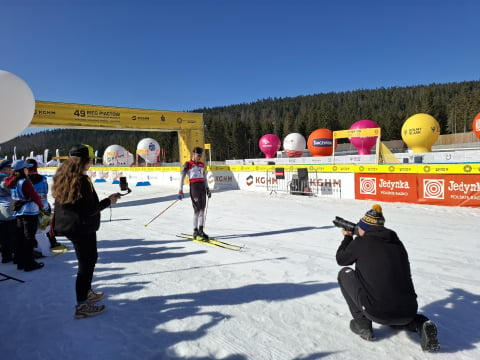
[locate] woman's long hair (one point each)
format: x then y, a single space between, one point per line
66 181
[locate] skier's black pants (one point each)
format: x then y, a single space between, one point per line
86 250
351 289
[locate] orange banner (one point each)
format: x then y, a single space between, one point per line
450 190
386 187
431 189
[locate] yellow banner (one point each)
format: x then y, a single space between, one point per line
356 133
62 115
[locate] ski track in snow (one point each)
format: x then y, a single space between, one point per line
171 298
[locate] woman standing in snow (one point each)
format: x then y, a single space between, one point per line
27 207
77 216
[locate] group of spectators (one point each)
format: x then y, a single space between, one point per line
24 207
23 200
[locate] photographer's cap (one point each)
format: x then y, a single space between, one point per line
373 217
82 151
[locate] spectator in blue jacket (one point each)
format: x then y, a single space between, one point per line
27 207
40 185
8 223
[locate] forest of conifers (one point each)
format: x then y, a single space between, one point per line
234 131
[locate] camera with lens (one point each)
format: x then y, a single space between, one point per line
344 224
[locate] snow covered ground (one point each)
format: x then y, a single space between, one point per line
170 298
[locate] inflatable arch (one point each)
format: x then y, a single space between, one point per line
189 126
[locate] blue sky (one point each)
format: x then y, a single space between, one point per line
186 55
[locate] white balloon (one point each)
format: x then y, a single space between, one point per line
117 155
149 150
294 144
17 106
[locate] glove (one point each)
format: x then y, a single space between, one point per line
45 212
43 219
209 193
180 195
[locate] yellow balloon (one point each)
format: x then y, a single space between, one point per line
420 132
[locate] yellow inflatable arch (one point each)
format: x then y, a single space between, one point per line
189 126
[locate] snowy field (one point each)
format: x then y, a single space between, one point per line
278 298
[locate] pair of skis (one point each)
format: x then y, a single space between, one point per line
212 242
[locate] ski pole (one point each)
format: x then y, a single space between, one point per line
205 215
168 207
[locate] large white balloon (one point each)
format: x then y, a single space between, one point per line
17 106
117 155
149 150
294 144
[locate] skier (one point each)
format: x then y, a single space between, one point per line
199 190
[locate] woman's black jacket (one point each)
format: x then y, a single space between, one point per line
82 216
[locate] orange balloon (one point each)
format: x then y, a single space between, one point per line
320 142
476 125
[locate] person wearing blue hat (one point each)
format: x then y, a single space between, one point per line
26 208
380 289
8 223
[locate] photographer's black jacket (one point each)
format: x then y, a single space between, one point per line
382 267
83 216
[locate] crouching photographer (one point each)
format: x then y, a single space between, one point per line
379 289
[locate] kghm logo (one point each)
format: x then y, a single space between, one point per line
368 185
433 189
249 180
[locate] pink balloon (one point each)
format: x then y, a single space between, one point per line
269 144
364 144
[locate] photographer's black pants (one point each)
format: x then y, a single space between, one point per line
87 255
351 289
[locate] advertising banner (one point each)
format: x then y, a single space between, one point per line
93 116
450 190
431 189
386 187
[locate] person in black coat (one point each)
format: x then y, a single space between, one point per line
77 216
380 288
